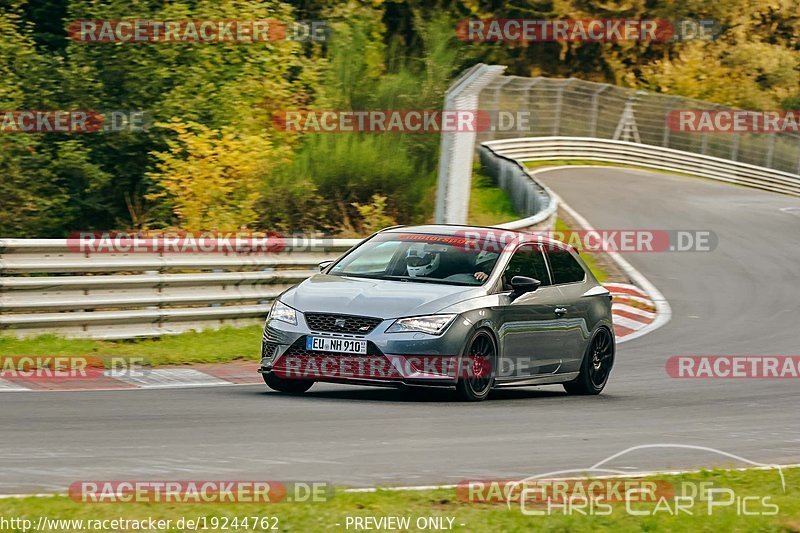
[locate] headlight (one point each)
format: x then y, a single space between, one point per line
284 313
433 324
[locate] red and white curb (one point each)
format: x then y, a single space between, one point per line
632 309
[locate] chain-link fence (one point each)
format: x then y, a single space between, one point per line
577 108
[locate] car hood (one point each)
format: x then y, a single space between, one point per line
371 297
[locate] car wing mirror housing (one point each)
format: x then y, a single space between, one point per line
325 264
522 284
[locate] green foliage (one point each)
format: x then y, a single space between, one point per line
373 215
348 169
211 178
212 346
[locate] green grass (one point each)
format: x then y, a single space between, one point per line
218 346
573 162
325 516
489 205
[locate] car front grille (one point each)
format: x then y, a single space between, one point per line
347 324
268 349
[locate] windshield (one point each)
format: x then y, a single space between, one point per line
421 258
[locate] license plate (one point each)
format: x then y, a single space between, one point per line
327 344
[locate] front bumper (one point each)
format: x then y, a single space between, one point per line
392 359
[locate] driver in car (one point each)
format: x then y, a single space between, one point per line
421 262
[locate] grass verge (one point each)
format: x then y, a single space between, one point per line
212 346
573 162
757 491
585 162
488 204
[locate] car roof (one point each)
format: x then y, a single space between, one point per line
450 230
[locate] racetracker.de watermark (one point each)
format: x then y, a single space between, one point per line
69 367
564 490
733 121
196 31
72 121
346 366
596 240
590 30
195 242
199 491
382 121
734 366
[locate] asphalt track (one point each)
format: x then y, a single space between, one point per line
740 299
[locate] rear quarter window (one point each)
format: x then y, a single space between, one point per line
565 268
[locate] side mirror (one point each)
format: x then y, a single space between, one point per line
523 284
325 264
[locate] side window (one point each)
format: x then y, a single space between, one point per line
527 261
564 267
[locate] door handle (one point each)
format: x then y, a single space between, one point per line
561 311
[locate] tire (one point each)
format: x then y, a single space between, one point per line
483 348
596 366
292 386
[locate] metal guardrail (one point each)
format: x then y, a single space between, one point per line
528 196
645 155
47 286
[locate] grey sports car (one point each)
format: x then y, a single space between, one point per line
448 306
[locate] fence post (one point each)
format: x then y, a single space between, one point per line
770 150
735 146
457 148
670 107
798 155
596 109
559 105
527 106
